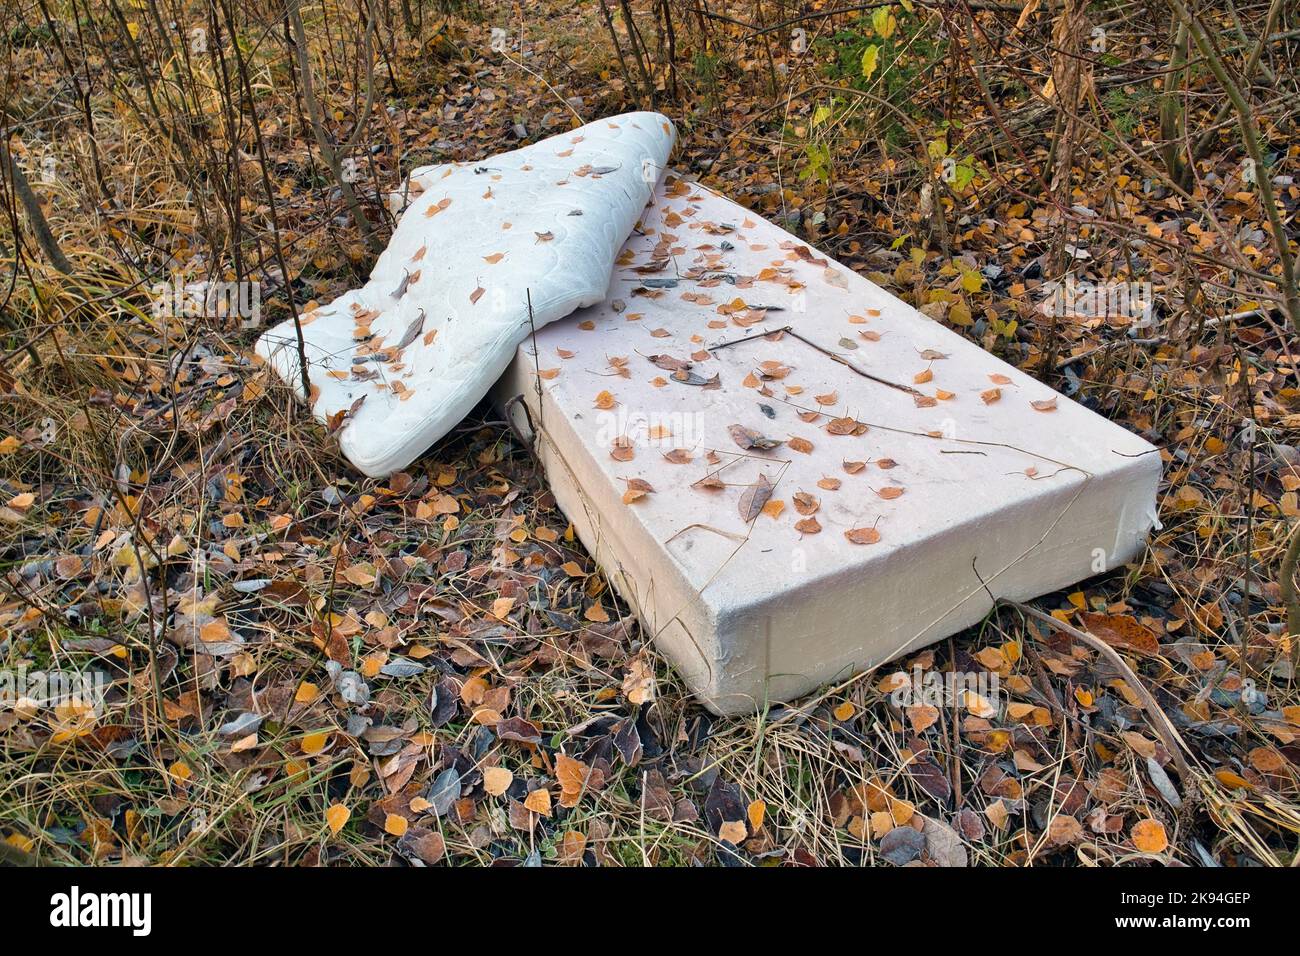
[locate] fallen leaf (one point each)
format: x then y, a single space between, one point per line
754 498
1149 836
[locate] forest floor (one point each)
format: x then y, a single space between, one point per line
172 519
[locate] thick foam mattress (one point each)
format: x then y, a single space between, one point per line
783 511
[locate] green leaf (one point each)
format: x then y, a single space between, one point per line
964 173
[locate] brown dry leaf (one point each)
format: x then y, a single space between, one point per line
805 503
1064 829
754 498
1044 405
637 488
991 395
215 630
678 456
596 614
829 484
1121 630
751 440
575 778
845 426
920 378
572 846
853 467
437 207
922 717
890 492
476 295
639 681
359 575
622 449
1267 760
733 832
808 525
862 535
801 445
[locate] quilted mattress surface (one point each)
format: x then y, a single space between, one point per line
397 363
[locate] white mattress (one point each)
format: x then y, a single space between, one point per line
976 480
400 361
983 484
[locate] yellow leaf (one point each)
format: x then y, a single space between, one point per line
883 22
1149 836
539 801
307 692
337 817
396 824
314 743
959 314
844 711
215 630
756 812
972 281
497 780
733 832
870 60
